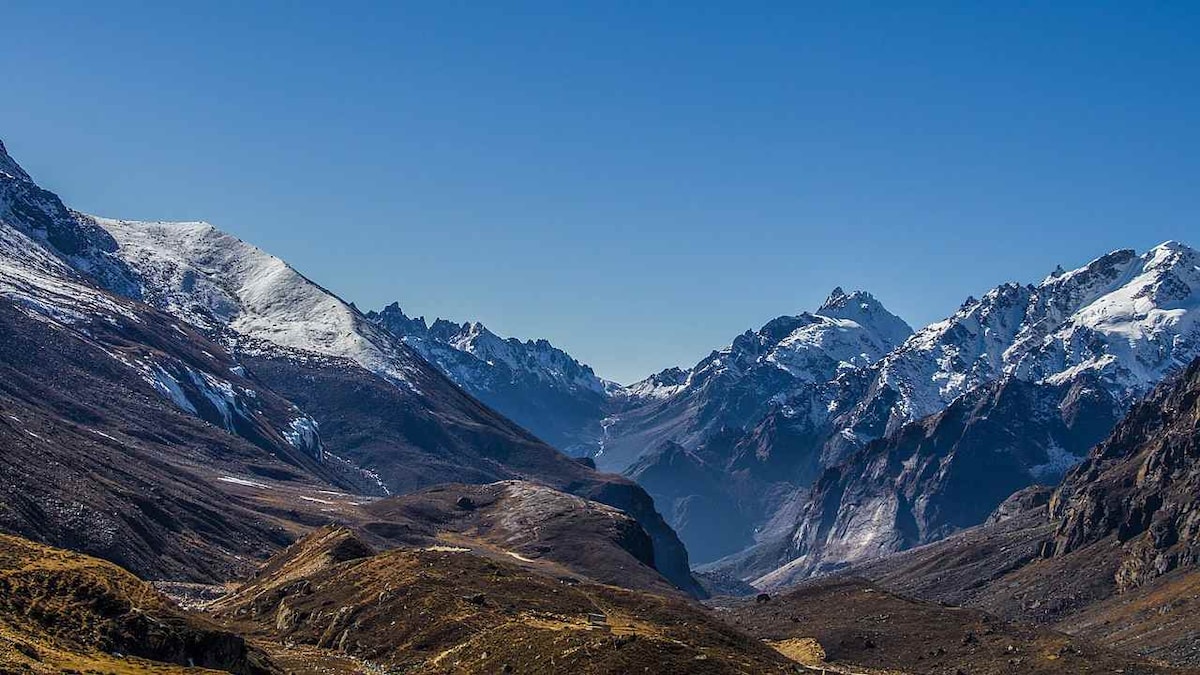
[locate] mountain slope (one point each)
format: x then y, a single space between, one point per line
549 530
945 472
1140 487
119 421
64 612
860 623
1112 559
446 611
216 281
712 410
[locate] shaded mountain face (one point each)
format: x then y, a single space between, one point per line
97 458
170 322
694 498
946 472
533 383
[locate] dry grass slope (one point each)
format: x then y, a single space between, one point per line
63 612
440 611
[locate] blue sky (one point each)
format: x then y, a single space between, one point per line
637 182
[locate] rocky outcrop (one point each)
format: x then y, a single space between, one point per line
1139 486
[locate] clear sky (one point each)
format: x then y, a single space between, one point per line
637 182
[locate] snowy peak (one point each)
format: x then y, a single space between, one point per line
216 281
836 297
1069 291
534 383
1168 276
395 320
850 330
662 384
1138 322
41 216
479 360
9 166
862 308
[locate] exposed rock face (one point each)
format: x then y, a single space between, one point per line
1034 497
948 471
1140 485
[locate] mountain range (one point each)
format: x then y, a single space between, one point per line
299 476
830 436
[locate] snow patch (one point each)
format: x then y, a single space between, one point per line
244 482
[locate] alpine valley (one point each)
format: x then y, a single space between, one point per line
209 462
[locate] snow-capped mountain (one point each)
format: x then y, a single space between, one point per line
732 388
60 268
663 384
1138 328
275 377
707 410
1010 391
533 382
1122 317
